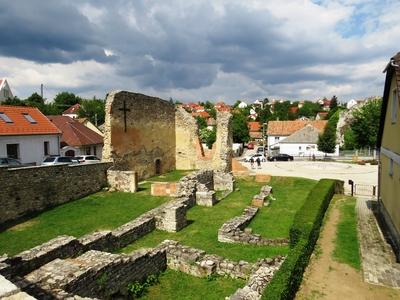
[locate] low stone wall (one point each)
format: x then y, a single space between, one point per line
233 231
259 199
96 274
259 279
31 190
200 264
223 181
122 181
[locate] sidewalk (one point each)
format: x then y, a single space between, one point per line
378 260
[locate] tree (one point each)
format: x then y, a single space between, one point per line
309 109
93 109
201 122
264 115
334 103
281 111
14 101
349 139
239 128
327 140
365 125
208 136
64 100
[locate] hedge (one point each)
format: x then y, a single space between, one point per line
304 233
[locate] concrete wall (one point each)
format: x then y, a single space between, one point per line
96 150
149 134
33 189
301 150
31 147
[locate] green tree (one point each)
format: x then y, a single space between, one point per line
208 136
64 100
327 140
366 123
334 103
14 101
239 128
93 109
281 111
264 115
201 122
349 139
309 109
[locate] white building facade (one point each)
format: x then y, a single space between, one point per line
5 90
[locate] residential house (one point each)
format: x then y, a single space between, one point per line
221 106
351 103
211 123
255 131
321 115
5 90
26 134
389 144
242 104
304 142
77 139
90 125
280 130
325 104
72 111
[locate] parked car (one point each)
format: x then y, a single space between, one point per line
9 162
260 150
254 156
89 159
280 157
57 160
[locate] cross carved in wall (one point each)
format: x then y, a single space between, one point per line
124 109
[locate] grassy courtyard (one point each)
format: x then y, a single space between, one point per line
205 221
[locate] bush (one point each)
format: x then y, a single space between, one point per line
304 233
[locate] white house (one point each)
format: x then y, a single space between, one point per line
5 90
72 111
304 143
77 139
27 135
351 103
242 104
279 130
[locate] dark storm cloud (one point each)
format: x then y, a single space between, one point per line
47 31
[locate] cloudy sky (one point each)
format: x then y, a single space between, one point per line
195 50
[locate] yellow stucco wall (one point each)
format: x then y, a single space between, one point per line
390 191
391 132
390 185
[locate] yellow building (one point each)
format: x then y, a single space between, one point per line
389 144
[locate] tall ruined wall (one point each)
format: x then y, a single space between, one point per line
222 159
33 189
139 131
188 145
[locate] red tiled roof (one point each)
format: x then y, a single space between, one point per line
74 133
202 114
221 106
21 126
254 126
73 109
284 128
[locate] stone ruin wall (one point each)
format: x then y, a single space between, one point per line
149 134
30 190
189 150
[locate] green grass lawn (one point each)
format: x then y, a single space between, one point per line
346 243
172 176
275 220
178 285
205 222
102 210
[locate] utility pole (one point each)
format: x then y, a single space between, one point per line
41 90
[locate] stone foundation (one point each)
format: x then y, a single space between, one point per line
96 274
259 199
122 181
233 231
223 181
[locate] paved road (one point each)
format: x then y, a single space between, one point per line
366 174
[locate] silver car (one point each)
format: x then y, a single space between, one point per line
57 160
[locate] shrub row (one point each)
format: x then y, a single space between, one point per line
303 236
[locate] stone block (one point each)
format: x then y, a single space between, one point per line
163 189
257 202
206 198
122 181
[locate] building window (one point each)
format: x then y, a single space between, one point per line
299 147
391 167
46 148
276 138
29 118
395 105
6 94
5 118
13 151
87 150
94 150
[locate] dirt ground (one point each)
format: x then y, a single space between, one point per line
327 279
